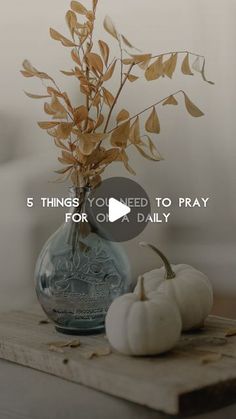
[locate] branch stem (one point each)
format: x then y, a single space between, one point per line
150 107
117 97
178 52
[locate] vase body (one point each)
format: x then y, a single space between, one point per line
78 275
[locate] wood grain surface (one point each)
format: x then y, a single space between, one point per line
200 374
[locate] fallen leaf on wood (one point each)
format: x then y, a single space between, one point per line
97 353
230 333
211 357
59 346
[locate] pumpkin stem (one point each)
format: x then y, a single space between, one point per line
142 294
169 271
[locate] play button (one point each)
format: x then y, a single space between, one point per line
117 210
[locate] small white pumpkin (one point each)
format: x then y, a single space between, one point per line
138 326
188 287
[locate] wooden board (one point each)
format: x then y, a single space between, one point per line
199 374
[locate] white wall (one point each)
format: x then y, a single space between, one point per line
199 153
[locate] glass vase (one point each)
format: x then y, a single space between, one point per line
79 273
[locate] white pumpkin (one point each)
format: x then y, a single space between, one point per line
189 288
138 326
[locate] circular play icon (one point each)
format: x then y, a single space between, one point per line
120 208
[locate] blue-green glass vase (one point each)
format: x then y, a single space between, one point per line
79 273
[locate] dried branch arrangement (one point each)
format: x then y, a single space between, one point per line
88 141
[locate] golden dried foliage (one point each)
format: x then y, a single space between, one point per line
83 133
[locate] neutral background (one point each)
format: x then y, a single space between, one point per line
199 153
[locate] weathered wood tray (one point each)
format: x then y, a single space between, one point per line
199 374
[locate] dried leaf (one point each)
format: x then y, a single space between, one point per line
110 71
134 134
90 16
64 177
110 27
211 357
95 2
153 125
59 110
80 114
203 73
65 344
140 58
97 353
68 73
96 100
53 348
63 171
122 116
107 157
230 333
78 8
125 160
31 71
197 65
170 65
131 77
120 135
186 66
155 70
147 156
75 56
105 51
27 74
191 108
75 344
154 152
108 97
71 21
127 61
99 121
68 158
58 37
170 101
48 125
144 64
33 96
95 62
126 42
29 68
88 142
64 130
60 144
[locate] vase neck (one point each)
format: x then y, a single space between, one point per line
78 192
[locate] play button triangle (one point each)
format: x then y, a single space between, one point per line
117 210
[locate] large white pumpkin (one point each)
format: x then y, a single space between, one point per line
138 326
189 288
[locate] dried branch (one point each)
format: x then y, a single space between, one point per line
79 134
